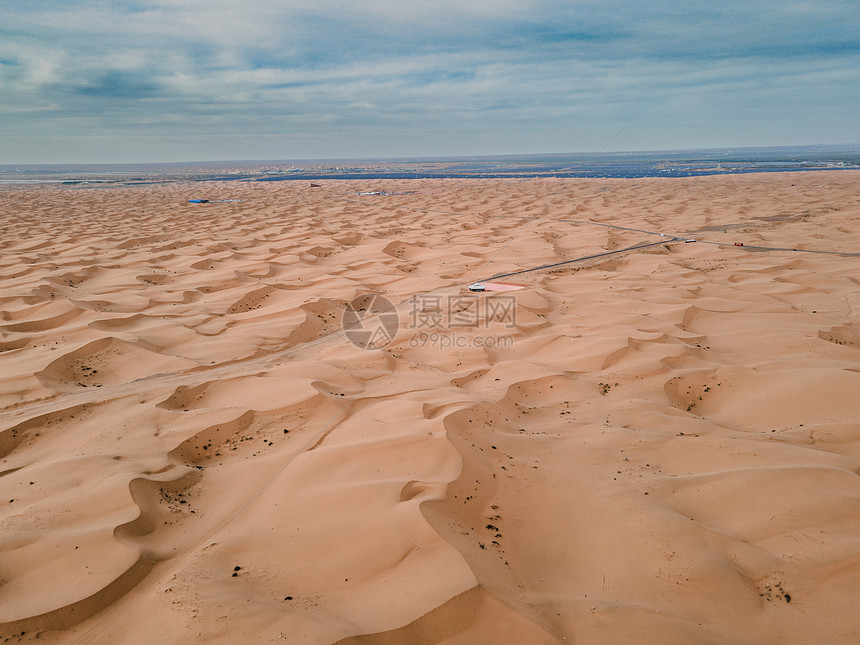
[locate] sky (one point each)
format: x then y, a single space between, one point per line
128 81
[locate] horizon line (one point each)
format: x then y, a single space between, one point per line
849 147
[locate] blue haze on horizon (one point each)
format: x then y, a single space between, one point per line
182 80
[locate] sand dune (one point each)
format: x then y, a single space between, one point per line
656 446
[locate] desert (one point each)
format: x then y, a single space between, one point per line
653 445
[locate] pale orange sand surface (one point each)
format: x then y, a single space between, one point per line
660 446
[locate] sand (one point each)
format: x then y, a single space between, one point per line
657 446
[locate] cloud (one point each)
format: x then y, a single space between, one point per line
376 77
118 85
